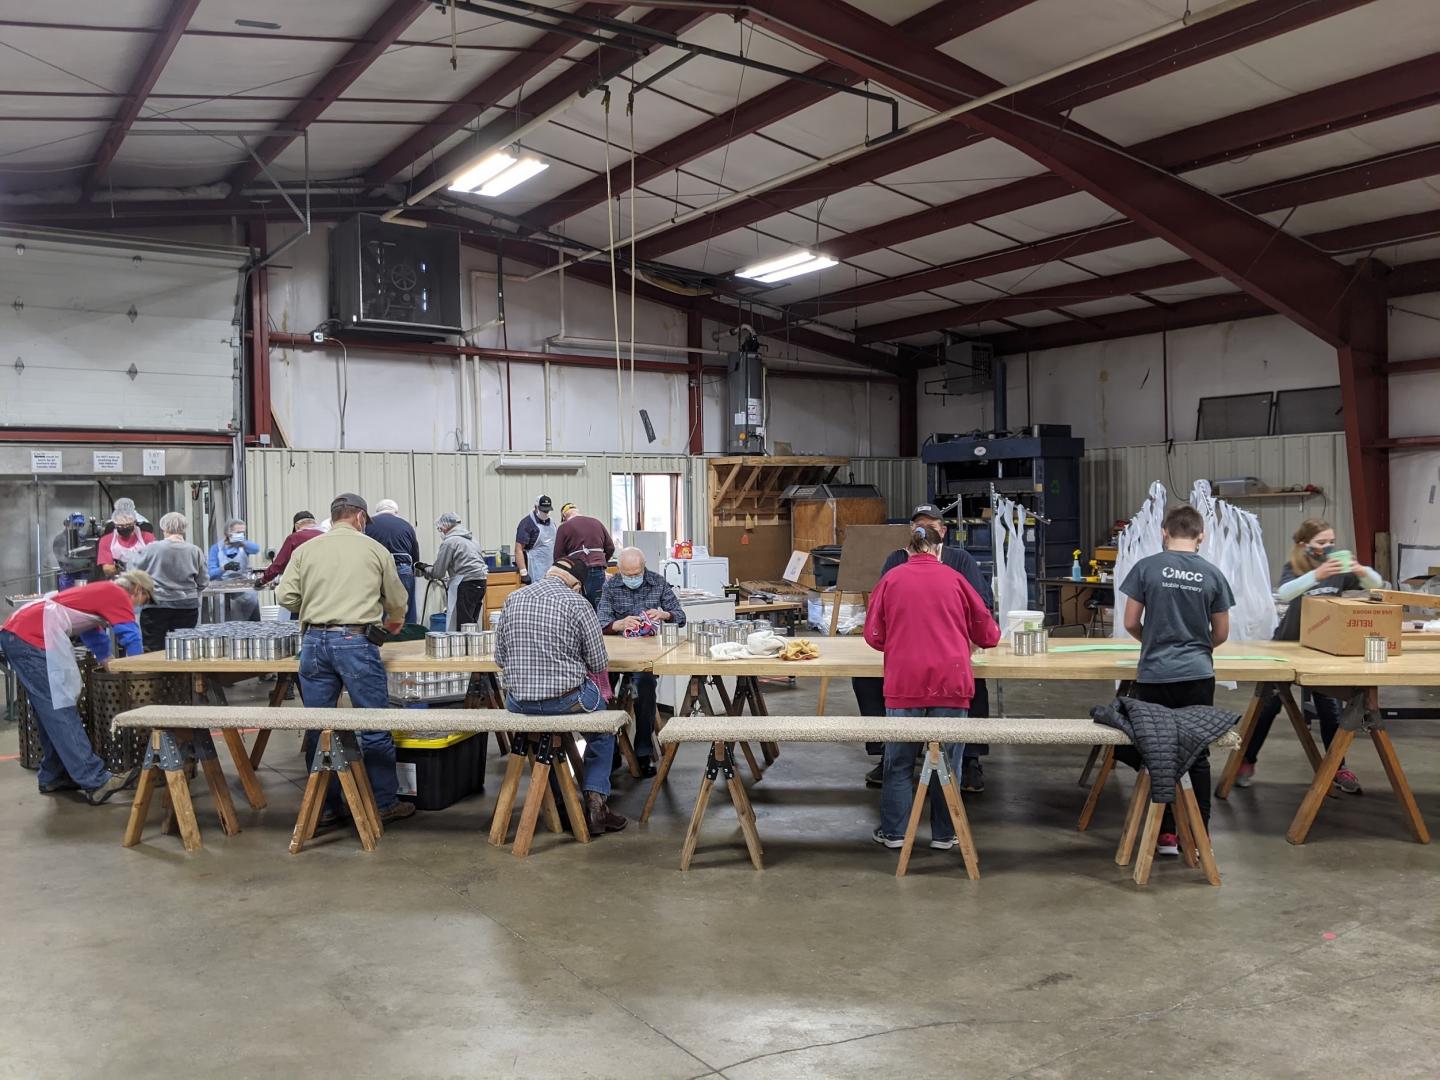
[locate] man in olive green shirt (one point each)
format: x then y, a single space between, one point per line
342 585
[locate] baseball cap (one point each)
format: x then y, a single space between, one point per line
348 498
573 567
926 510
302 515
544 502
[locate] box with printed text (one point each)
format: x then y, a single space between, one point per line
1340 627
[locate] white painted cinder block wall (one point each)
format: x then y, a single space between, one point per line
415 403
1113 393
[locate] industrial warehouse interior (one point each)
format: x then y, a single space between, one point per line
682 539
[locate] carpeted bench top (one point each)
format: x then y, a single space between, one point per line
1082 732
606 722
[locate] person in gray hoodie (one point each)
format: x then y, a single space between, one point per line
460 564
179 570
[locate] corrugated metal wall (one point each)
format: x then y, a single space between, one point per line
1116 480
900 480
491 502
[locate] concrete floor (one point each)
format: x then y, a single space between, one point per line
440 956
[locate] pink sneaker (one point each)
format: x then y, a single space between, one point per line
1347 782
1246 776
1169 844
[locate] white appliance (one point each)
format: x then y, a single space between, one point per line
652 544
670 689
709 574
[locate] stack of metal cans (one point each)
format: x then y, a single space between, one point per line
449 645
234 641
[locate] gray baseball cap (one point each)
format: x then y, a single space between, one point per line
350 499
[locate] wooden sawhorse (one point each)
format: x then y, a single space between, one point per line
170 750
338 753
547 754
937 764
1142 827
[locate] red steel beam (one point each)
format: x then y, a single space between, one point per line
1376 172
548 48
1365 397
1408 279
695 385
1145 279
1412 367
599 65
936 25
261 420
1275 267
1214 37
380 35
156 57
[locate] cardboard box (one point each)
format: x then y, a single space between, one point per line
1340 627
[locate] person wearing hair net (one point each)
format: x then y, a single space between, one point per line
125 541
397 536
230 561
460 564
35 642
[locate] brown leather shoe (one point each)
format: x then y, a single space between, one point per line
399 812
599 816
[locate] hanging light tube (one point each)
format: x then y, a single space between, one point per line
786 266
497 173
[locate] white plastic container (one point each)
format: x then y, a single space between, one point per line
1022 620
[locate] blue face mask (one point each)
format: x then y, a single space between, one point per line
632 582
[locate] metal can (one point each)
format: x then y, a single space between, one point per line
1377 649
1042 642
469 628
1024 643
669 634
437 645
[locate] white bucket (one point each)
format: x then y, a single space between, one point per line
1022 620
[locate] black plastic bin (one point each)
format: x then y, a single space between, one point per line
447 766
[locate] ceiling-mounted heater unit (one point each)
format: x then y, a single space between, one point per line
394 279
969 368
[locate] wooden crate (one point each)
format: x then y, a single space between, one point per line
498 585
822 523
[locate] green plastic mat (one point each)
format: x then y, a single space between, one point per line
1098 646
1223 659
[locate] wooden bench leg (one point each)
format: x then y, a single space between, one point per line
576 759
243 769
627 753
749 808
921 790
1399 784
1319 787
535 796
215 780
746 816
692 834
1107 765
308 819
1184 839
950 787
1188 807
140 808
362 783
1134 815
1247 732
1149 836
509 790
570 794
358 813
179 789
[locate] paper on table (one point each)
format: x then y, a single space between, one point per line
1098 646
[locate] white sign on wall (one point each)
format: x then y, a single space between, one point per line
45 461
154 462
109 461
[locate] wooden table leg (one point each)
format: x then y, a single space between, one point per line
1134 815
1247 732
667 758
576 759
627 752
921 791
530 813
505 801
140 808
1302 729
1107 765
184 809
243 769
257 748
1149 836
1084 780
1398 784
751 762
1319 787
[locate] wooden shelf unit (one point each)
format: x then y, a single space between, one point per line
745 491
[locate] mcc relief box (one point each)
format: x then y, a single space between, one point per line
1340 627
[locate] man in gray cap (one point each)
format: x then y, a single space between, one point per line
460 564
344 588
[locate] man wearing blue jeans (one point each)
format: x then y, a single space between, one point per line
343 586
550 648
898 792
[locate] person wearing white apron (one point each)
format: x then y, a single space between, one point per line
36 644
120 548
461 565
535 542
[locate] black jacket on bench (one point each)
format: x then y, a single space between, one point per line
1169 740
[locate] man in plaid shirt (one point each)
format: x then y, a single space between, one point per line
630 598
549 645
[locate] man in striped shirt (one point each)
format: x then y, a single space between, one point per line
549 645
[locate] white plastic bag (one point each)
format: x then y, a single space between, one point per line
1137 540
1010 584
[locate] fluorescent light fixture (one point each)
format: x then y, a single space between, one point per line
497 173
510 463
786 266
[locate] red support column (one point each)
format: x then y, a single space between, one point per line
257 356
695 339
1365 394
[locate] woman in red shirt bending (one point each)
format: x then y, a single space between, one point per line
927 620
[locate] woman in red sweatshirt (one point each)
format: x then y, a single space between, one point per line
926 619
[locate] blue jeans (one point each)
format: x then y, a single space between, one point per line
898 793
594 582
407 578
65 747
599 749
329 660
